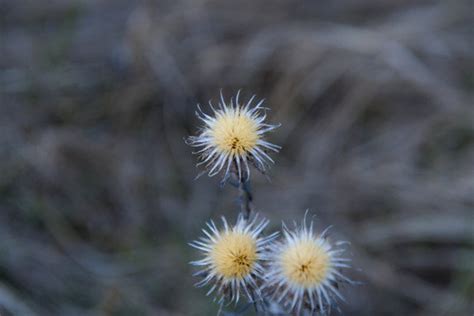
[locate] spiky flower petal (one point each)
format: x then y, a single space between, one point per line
233 258
232 137
305 270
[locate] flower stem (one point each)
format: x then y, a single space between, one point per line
245 198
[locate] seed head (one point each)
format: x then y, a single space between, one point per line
233 258
232 137
305 270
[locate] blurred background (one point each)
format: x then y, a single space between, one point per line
97 192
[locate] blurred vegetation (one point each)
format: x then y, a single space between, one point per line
97 191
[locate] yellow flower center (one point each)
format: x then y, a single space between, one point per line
305 264
235 132
234 254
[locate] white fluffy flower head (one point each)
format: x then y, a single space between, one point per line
305 270
233 258
232 137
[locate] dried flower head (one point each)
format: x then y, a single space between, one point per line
304 270
232 137
232 258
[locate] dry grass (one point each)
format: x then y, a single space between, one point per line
97 198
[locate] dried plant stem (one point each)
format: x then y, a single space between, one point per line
245 198
241 182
